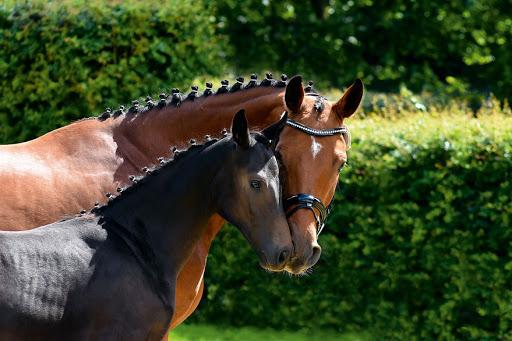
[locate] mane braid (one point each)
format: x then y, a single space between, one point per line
319 104
139 181
176 98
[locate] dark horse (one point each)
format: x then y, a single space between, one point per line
111 274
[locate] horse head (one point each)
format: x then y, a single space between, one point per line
312 149
251 193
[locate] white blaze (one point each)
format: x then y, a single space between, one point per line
315 147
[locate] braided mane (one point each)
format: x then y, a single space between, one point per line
150 172
175 98
153 170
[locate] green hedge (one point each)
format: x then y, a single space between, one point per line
419 245
431 45
63 60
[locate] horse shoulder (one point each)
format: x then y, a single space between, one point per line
59 173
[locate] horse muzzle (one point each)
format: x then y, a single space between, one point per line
276 261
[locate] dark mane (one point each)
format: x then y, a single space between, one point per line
176 98
151 171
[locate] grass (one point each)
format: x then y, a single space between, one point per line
191 332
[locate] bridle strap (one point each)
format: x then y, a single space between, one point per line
316 132
309 202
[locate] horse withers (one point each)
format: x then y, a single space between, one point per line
111 273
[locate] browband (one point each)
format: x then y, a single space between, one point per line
316 132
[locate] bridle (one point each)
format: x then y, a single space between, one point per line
308 201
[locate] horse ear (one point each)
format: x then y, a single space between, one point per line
349 102
240 129
272 132
294 94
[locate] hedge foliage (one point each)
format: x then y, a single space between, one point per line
63 60
427 45
419 245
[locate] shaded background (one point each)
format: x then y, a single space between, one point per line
419 245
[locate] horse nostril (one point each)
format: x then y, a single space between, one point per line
283 257
315 255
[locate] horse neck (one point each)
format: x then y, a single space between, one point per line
144 137
170 209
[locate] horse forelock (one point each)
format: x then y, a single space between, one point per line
319 104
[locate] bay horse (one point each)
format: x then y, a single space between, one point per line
111 274
69 169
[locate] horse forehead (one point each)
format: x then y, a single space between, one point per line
262 162
303 153
270 168
319 117
269 173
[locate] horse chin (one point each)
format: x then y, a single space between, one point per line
272 268
296 267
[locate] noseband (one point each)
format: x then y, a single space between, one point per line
308 201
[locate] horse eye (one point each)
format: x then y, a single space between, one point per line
255 184
342 166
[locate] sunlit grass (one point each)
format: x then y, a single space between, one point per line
217 333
